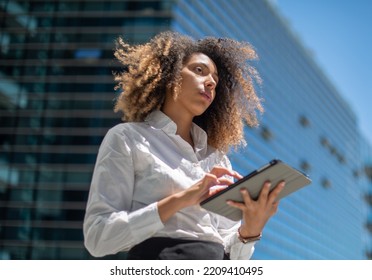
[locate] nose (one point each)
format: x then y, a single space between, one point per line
210 83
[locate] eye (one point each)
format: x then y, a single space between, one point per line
198 69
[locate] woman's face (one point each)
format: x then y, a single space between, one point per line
199 81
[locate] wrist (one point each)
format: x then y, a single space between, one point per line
248 232
248 238
181 199
168 206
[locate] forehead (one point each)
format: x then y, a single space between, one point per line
202 58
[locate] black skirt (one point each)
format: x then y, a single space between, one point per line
163 248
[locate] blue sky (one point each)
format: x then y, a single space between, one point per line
339 34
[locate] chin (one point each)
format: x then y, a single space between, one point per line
198 109
199 112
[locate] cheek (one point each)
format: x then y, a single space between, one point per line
188 82
186 78
214 95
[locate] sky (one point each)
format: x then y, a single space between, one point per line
338 33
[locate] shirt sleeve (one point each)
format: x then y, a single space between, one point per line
237 250
109 226
228 230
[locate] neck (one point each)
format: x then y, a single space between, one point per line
183 122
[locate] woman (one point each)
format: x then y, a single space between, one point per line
184 103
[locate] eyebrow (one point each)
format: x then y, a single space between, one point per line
206 66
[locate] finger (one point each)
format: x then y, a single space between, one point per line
265 191
216 190
224 181
246 197
275 192
238 176
209 180
274 208
236 204
220 171
206 183
222 184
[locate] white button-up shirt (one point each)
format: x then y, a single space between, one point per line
139 164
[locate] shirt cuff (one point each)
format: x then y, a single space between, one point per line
239 250
145 222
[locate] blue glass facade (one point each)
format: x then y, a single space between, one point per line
366 157
56 97
306 123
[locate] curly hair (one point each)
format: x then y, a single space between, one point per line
153 68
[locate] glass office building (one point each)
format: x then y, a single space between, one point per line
366 158
56 98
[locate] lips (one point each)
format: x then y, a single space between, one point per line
207 95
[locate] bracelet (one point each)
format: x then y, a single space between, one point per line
245 240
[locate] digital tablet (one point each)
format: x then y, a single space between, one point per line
275 171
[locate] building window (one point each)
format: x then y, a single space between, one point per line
305 166
369 255
368 171
324 141
333 150
266 133
356 173
368 198
369 226
304 121
341 158
326 183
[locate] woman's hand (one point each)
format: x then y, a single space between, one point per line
201 190
256 213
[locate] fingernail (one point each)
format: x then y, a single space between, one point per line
238 175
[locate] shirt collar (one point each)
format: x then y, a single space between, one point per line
158 120
200 138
